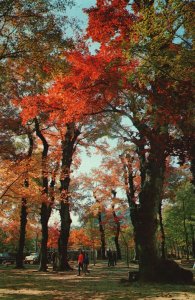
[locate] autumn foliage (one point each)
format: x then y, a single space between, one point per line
136 87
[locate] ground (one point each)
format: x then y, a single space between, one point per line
102 283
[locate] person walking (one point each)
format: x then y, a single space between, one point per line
114 258
110 258
80 262
55 260
86 263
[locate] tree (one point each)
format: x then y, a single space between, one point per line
46 206
100 210
24 213
79 239
181 212
132 182
117 225
68 145
102 202
131 77
33 40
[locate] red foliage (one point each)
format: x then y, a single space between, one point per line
115 18
53 236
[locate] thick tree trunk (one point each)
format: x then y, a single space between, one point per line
23 222
44 238
117 233
68 148
46 204
152 176
146 237
102 236
64 236
46 209
117 228
23 215
127 161
151 266
163 253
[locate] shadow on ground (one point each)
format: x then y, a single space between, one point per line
102 283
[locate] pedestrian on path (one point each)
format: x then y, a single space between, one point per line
80 262
86 263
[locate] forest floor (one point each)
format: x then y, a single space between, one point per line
102 283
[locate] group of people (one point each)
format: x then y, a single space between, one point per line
83 262
112 257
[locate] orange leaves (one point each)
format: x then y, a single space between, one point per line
78 238
30 108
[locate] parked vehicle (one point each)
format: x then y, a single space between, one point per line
7 258
32 259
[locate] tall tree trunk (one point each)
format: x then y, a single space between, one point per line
23 215
64 236
68 148
23 222
151 267
127 161
44 237
116 238
102 236
117 229
163 253
45 205
46 209
101 227
152 178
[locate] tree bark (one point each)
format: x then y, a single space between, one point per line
23 222
23 215
130 192
117 229
45 205
152 178
64 236
102 236
68 149
101 227
116 240
163 253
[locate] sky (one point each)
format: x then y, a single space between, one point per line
77 13
77 10
79 5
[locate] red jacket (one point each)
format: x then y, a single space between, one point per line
80 258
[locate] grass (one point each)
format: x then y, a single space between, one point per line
102 283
